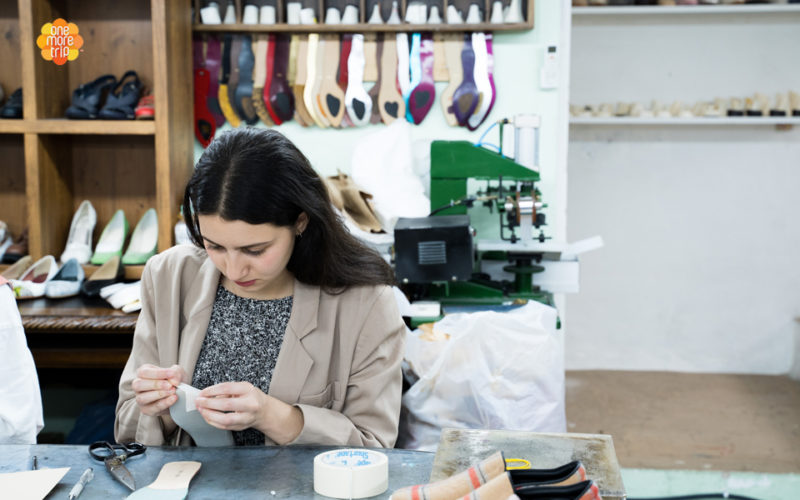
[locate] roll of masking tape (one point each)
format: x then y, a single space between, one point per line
351 473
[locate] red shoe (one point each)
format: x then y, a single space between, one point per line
145 110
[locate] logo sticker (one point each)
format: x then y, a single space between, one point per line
60 41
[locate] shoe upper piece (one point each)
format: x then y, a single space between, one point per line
79 242
34 280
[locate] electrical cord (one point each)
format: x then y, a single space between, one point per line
699 496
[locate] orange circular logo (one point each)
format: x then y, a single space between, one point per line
60 41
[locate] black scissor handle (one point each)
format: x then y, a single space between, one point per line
101 450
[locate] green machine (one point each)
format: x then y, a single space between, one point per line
510 191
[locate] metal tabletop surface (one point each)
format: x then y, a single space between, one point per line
246 472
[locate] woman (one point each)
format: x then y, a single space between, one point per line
281 316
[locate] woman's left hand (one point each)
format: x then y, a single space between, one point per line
233 406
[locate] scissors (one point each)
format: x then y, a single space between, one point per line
103 451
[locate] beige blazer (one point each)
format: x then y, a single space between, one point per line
339 362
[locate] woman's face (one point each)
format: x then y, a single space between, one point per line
252 257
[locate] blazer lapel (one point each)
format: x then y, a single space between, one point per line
294 362
196 307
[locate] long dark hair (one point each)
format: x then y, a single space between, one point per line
258 176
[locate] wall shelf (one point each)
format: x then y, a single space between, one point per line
356 28
12 126
100 127
685 9
722 121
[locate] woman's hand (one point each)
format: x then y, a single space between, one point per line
155 388
237 406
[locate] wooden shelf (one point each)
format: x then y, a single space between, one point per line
131 272
685 9
99 127
355 28
705 121
12 126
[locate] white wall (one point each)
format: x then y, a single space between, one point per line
701 268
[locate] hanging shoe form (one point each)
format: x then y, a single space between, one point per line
342 75
452 55
421 99
79 241
466 97
309 97
261 79
301 76
374 92
375 17
233 80
414 70
482 81
213 62
513 13
330 97
244 88
204 124
33 282
359 104
403 66
66 282
390 103
281 99
5 239
111 239
223 95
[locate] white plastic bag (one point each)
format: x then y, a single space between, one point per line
498 370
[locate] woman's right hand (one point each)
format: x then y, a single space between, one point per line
155 388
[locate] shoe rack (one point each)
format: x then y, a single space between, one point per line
51 164
364 9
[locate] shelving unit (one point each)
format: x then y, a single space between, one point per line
51 164
700 121
365 7
685 9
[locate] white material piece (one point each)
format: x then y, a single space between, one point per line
513 13
127 294
350 14
351 473
266 14
394 17
191 421
293 12
210 14
333 16
375 17
453 15
475 380
30 484
552 250
250 15
307 16
497 12
474 14
230 14
434 17
79 241
425 309
60 288
20 399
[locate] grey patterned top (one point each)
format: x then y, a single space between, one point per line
242 344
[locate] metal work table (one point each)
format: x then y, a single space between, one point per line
243 472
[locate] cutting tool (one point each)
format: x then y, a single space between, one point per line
103 451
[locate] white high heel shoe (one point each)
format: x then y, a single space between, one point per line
33 282
79 242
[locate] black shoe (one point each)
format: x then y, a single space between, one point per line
87 99
121 102
13 107
107 274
